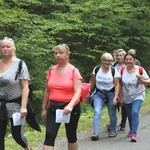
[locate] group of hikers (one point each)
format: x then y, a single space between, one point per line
118 80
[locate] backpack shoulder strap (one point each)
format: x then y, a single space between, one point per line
122 69
115 63
140 70
50 68
113 70
19 69
97 68
73 69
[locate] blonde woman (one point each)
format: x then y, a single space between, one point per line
13 93
63 91
107 90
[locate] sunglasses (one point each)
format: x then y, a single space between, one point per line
7 38
63 45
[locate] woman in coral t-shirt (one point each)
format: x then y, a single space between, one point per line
63 91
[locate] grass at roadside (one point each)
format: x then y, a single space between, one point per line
36 138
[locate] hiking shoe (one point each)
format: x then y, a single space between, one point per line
94 137
129 134
133 138
112 134
122 127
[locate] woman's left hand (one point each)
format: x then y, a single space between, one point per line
67 110
140 81
23 111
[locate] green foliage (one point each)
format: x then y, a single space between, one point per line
89 27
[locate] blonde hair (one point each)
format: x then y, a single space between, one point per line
132 51
63 48
11 41
107 56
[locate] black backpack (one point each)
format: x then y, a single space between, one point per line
115 63
30 118
98 67
91 99
18 72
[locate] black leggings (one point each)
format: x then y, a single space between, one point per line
123 115
52 127
17 133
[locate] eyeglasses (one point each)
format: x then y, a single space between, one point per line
109 61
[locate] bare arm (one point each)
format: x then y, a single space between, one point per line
75 98
143 81
92 81
117 86
24 99
45 102
121 95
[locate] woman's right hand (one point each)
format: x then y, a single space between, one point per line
44 112
68 109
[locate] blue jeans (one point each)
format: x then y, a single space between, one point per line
133 110
99 103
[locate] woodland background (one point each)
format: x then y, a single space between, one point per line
89 27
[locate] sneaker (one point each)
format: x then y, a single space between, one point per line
133 138
94 137
112 134
129 134
122 127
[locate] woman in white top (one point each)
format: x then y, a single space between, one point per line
133 92
107 90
